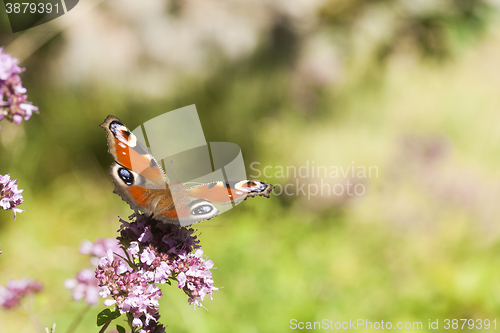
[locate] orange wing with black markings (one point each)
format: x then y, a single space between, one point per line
143 184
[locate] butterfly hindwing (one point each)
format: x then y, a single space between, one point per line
138 191
232 191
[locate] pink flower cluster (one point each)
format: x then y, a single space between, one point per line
130 289
13 99
84 285
10 195
156 253
12 294
99 248
194 276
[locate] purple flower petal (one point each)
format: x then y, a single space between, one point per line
10 195
13 99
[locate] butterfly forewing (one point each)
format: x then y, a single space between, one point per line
131 153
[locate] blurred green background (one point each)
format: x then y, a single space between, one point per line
409 87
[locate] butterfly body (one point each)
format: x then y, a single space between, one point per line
142 183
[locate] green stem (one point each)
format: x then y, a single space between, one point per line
103 329
35 322
129 262
31 315
78 319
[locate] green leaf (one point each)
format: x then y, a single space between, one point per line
107 315
120 329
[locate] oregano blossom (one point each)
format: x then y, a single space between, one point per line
85 285
10 194
14 105
16 290
154 253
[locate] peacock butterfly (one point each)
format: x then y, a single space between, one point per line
141 182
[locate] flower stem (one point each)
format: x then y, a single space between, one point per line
28 309
103 329
78 319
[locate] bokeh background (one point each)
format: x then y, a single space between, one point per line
409 87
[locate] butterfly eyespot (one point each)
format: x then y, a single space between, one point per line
200 210
261 186
122 133
126 176
114 126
